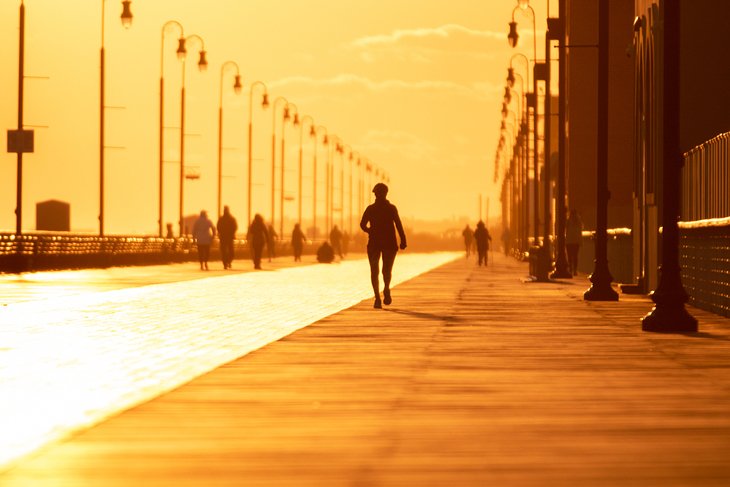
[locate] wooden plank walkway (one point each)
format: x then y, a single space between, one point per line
471 378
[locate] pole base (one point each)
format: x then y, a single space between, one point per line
600 292
669 318
559 273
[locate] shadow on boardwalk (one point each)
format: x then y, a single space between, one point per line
473 378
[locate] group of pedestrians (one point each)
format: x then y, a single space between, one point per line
204 232
480 238
380 221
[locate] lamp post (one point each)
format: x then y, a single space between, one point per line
285 115
237 88
601 278
312 133
513 38
669 314
325 142
351 158
202 66
264 104
161 129
295 122
524 141
126 22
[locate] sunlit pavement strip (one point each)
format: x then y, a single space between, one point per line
66 364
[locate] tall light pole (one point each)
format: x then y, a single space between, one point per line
264 104
202 66
351 158
325 142
669 314
312 133
126 22
513 38
295 122
181 52
601 278
524 151
273 150
237 88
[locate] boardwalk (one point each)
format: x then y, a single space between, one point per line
471 377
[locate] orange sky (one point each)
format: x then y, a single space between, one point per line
415 86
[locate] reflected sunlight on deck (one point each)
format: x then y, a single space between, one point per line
71 361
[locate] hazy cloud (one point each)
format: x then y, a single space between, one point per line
443 32
351 80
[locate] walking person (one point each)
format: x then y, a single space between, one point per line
203 233
257 237
380 221
297 242
336 240
573 238
482 237
468 239
227 227
271 237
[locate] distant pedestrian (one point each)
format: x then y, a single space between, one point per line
573 239
506 240
227 227
380 221
203 233
345 243
170 233
482 237
271 237
336 240
468 239
297 242
257 237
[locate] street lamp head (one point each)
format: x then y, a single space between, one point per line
505 110
507 94
202 61
296 119
126 14
325 140
513 36
503 125
286 113
510 77
181 51
312 131
237 85
265 100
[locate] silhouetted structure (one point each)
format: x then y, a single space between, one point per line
203 233
482 238
257 237
227 227
53 215
380 221
297 242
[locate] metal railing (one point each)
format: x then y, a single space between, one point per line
706 180
704 257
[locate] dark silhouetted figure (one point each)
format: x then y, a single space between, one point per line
297 242
227 227
506 240
325 253
345 243
203 233
573 239
257 237
336 240
170 233
482 237
468 239
271 237
380 221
